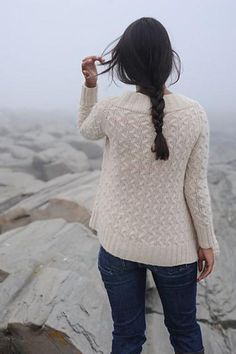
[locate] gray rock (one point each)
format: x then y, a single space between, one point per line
58 160
69 196
15 186
49 282
92 150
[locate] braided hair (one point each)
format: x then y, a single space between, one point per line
144 57
159 146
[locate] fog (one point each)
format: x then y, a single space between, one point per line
44 41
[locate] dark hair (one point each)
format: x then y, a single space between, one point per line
144 57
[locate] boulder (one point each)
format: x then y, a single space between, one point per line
69 196
59 160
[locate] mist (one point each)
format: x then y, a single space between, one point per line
44 41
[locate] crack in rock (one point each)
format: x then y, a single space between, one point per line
77 328
214 323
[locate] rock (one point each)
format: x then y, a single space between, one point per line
15 186
69 196
27 183
92 150
58 160
31 339
49 282
36 141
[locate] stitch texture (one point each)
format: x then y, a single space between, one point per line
146 210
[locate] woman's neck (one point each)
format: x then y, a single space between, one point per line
166 91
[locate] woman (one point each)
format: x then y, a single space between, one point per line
152 209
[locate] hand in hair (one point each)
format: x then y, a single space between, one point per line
89 70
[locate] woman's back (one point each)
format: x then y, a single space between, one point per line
147 210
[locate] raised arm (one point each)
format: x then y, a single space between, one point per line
196 188
92 114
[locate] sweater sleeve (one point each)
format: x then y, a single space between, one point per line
196 188
92 114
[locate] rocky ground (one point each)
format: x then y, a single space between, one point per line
52 299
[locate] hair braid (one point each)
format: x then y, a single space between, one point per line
157 111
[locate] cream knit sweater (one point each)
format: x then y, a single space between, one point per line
145 210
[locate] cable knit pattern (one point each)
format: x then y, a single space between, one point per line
145 210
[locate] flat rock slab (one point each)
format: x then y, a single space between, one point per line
51 268
69 196
59 159
30 339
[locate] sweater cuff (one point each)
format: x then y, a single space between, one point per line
207 238
89 95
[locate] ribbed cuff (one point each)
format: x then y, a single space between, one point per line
207 238
89 95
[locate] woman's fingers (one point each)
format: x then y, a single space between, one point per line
206 271
86 63
92 59
200 264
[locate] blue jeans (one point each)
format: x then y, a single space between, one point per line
125 283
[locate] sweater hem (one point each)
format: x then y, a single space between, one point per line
136 251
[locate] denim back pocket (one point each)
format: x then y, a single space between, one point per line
178 269
181 268
108 263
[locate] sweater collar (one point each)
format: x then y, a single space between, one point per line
138 102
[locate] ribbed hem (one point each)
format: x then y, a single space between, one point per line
147 254
127 249
89 95
140 252
207 238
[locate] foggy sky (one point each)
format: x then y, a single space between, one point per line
42 44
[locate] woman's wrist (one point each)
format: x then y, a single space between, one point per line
90 84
